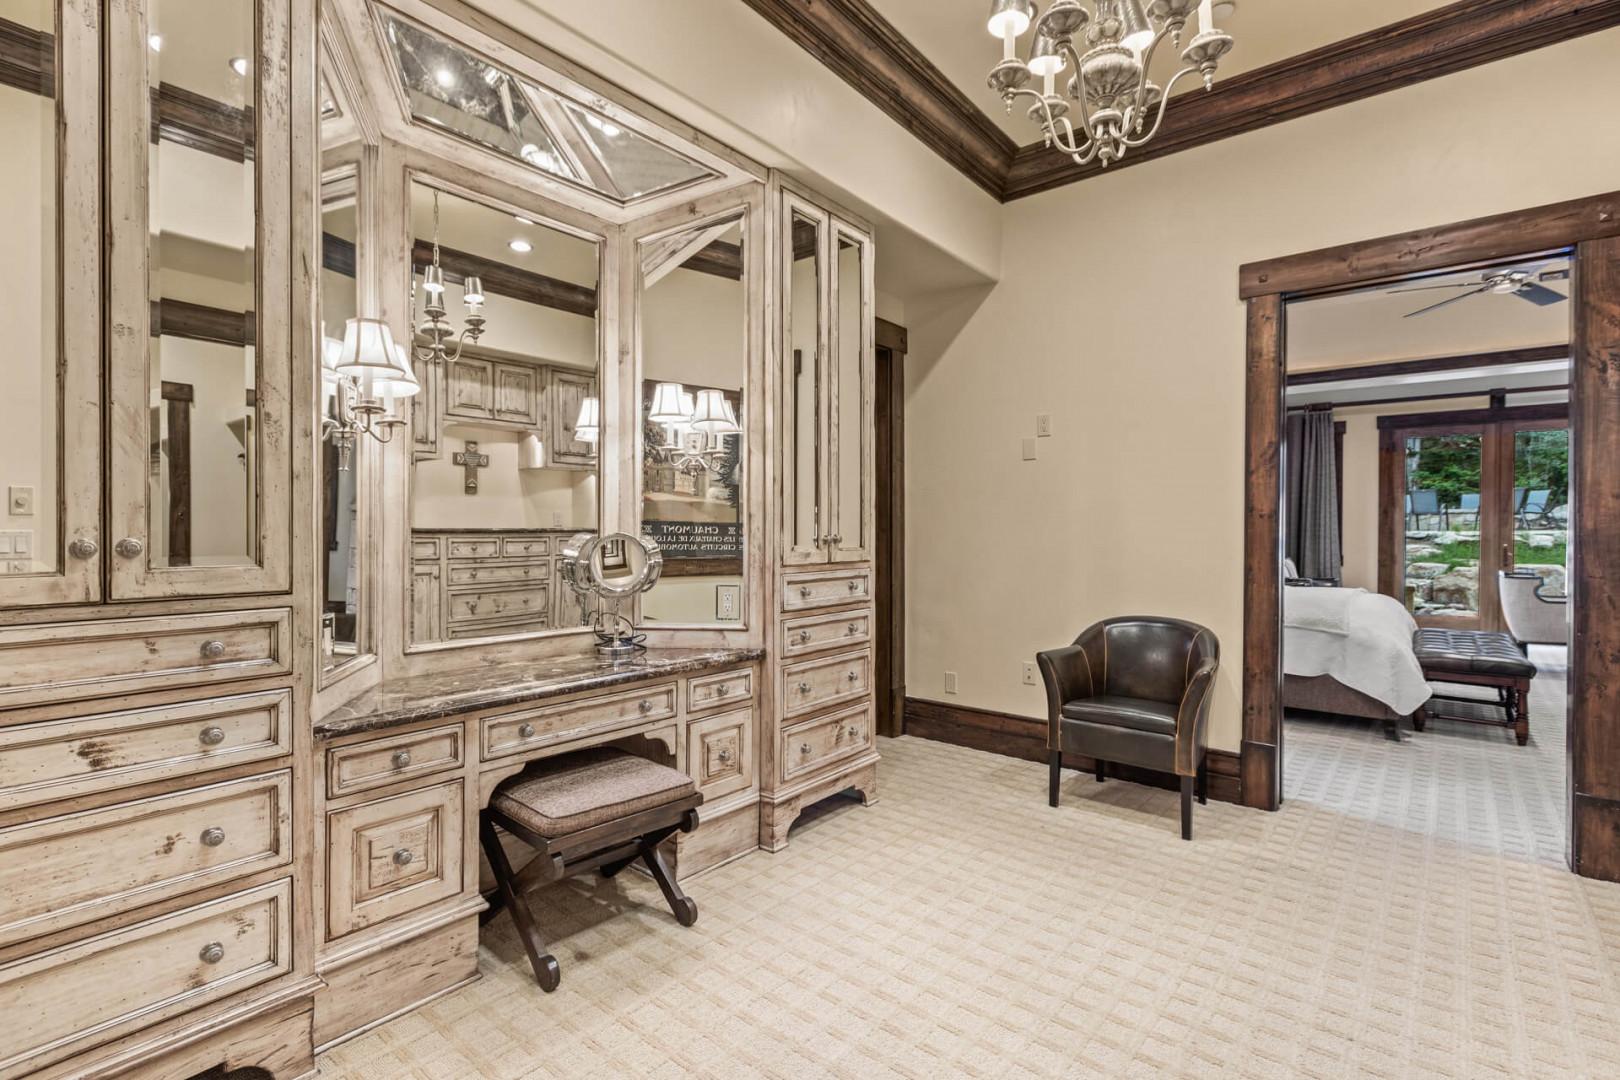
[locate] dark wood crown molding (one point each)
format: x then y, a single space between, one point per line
866 51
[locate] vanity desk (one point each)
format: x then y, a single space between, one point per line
407 765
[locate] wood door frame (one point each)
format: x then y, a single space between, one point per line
1591 227
889 529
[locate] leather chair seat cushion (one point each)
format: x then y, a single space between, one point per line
1120 745
1138 714
1470 652
564 794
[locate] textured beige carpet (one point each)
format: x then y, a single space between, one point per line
1389 922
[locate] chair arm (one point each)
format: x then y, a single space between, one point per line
1067 674
1549 598
1193 717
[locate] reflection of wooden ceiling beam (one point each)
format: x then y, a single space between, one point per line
504 280
199 322
27 58
1538 354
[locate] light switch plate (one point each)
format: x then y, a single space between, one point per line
950 682
1029 673
728 603
1043 425
20 500
1029 449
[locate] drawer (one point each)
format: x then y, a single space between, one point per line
64 661
519 547
363 766
95 990
499 628
390 856
424 547
827 588
500 573
704 692
518 732
500 603
818 633
721 751
815 684
62 758
475 549
67 870
824 741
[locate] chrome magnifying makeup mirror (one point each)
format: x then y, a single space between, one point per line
605 572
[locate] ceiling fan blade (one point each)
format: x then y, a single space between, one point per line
1422 288
1450 300
1540 295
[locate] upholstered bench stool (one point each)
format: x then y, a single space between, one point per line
1476 658
597 809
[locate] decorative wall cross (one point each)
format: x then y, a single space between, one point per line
471 460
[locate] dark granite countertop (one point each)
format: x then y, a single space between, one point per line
483 530
397 702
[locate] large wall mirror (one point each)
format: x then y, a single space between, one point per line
345 462
693 313
506 428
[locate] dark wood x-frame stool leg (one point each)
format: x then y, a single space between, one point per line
609 847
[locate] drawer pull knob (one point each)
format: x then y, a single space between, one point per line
804 688
211 735
213 650
804 748
722 690
402 758
854 731
804 591
83 548
129 547
852 675
212 953
213 836
646 705
527 731
725 757
403 857
852 630
804 636
854 584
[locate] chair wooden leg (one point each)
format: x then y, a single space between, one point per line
1102 770
683 906
1521 716
546 972
1186 807
1054 762
1203 783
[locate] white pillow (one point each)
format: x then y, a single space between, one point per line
1289 569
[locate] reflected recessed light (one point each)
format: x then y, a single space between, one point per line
239 65
156 41
522 247
445 78
610 130
521 220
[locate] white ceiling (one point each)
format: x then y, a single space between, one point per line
952 34
200 38
485 231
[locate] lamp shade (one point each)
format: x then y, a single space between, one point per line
666 404
391 384
368 347
1045 58
1138 31
433 280
531 452
1010 16
588 425
711 414
331 349
472 289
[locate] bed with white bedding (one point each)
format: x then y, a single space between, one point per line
1349 651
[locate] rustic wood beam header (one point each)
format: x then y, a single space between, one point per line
1534 355
512 281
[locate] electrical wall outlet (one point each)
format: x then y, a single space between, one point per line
556 519
20 500
728 602
1043 425
1031 678
950 682
1029 449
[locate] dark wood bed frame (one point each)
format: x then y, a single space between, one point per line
1590 228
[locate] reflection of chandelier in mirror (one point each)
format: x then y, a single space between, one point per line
1120 108
708 414
364 378
436 327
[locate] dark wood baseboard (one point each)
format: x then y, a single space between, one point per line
1025 737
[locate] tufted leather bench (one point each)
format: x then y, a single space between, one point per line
1476 658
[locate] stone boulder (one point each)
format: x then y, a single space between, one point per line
1416 553
1552 575
1541 542
1458 588
1426 570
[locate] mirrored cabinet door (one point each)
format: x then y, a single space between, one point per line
50 414
200 295
850 389
801 428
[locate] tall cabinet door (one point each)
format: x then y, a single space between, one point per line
802 424
850 388
50 413
200 285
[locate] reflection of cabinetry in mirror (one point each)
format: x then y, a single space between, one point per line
826 380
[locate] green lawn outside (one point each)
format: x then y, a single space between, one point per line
1464 552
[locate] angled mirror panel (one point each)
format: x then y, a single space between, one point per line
636 167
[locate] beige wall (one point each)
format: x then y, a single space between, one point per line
1118 314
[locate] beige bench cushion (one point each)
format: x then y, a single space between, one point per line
564 794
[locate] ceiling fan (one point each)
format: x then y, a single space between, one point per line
1521 283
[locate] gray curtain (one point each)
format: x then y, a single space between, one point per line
1311 469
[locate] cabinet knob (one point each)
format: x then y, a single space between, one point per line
804 748
804 636
211 735
213 836
853 630
852 675
402 758
725 757
804 591
527 731
854 731
804 688
83 548
129 547
403 857
212 953
213 650
722 690
854 584
646 705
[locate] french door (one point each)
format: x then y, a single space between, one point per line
1464 495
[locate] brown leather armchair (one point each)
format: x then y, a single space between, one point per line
1135 691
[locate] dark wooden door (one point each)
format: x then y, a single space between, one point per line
889 556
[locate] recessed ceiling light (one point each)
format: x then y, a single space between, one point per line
522 247
521 220
156 41
445 78
610 130
239 65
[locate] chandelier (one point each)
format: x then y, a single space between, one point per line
436 326
365 381
709 414
1117 106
